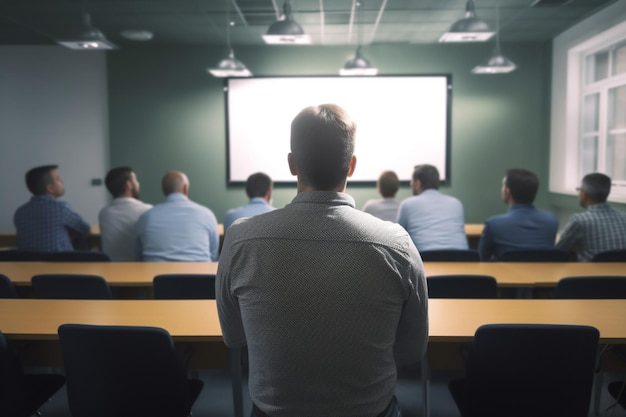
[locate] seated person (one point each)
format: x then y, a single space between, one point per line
177 229
385 208
259 192
523 226
434 220
601 227
45 223
118 219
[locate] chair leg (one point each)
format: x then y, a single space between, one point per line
426 383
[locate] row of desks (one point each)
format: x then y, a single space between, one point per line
141 274
451 320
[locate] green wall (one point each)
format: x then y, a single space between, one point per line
166 112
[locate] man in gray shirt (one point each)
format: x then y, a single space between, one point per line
328 299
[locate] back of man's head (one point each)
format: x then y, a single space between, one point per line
523 185
258 184
322 145
175 182
388 184
428 175
38 178
597 186
116 178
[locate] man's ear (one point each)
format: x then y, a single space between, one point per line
352 166
292 165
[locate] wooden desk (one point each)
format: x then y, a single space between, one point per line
451 320
140 274
133 274
526 274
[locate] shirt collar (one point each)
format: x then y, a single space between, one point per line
325 197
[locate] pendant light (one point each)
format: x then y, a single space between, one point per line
229 66
358 65
468 29
498 63
89 38
286 31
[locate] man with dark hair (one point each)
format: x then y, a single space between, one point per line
177 229
328 299
118 219
259 192
523 226
46 224
601 227
385 208
434 220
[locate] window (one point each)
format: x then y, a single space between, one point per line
589 111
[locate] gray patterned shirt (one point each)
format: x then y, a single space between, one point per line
328 299
600 228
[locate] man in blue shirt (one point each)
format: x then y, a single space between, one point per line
259 191
434 220
523 226
46 224
177 229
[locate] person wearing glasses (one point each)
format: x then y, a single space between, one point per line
600 227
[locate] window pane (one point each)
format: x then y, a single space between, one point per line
617 108
619 58
616 157
597 66
589 154
590 113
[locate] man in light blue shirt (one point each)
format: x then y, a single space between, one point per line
177 229
434 220
259 191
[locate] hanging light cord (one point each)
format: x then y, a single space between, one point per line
498 24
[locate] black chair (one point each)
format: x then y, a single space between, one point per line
462 286
184 286
610 256
517 370
16 255
591 287
21 394
124 371
450 255
77 256
617 389
70 287
537 255
7 289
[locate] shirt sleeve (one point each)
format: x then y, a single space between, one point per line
227 304
485 245
412 333
75 222
571 237
214 239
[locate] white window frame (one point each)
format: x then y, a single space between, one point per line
565 174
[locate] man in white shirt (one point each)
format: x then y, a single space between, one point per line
118 219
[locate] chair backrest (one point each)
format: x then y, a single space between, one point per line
537 255
591 287
184 286
450 255
462 286
11 379
77 256
530 370
123 371
7 289
16 255
70 286
610 256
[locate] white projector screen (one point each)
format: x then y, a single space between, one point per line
402 121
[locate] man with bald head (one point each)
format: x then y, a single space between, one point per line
177 229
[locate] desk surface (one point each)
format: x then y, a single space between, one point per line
116 273
137 274
450 320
